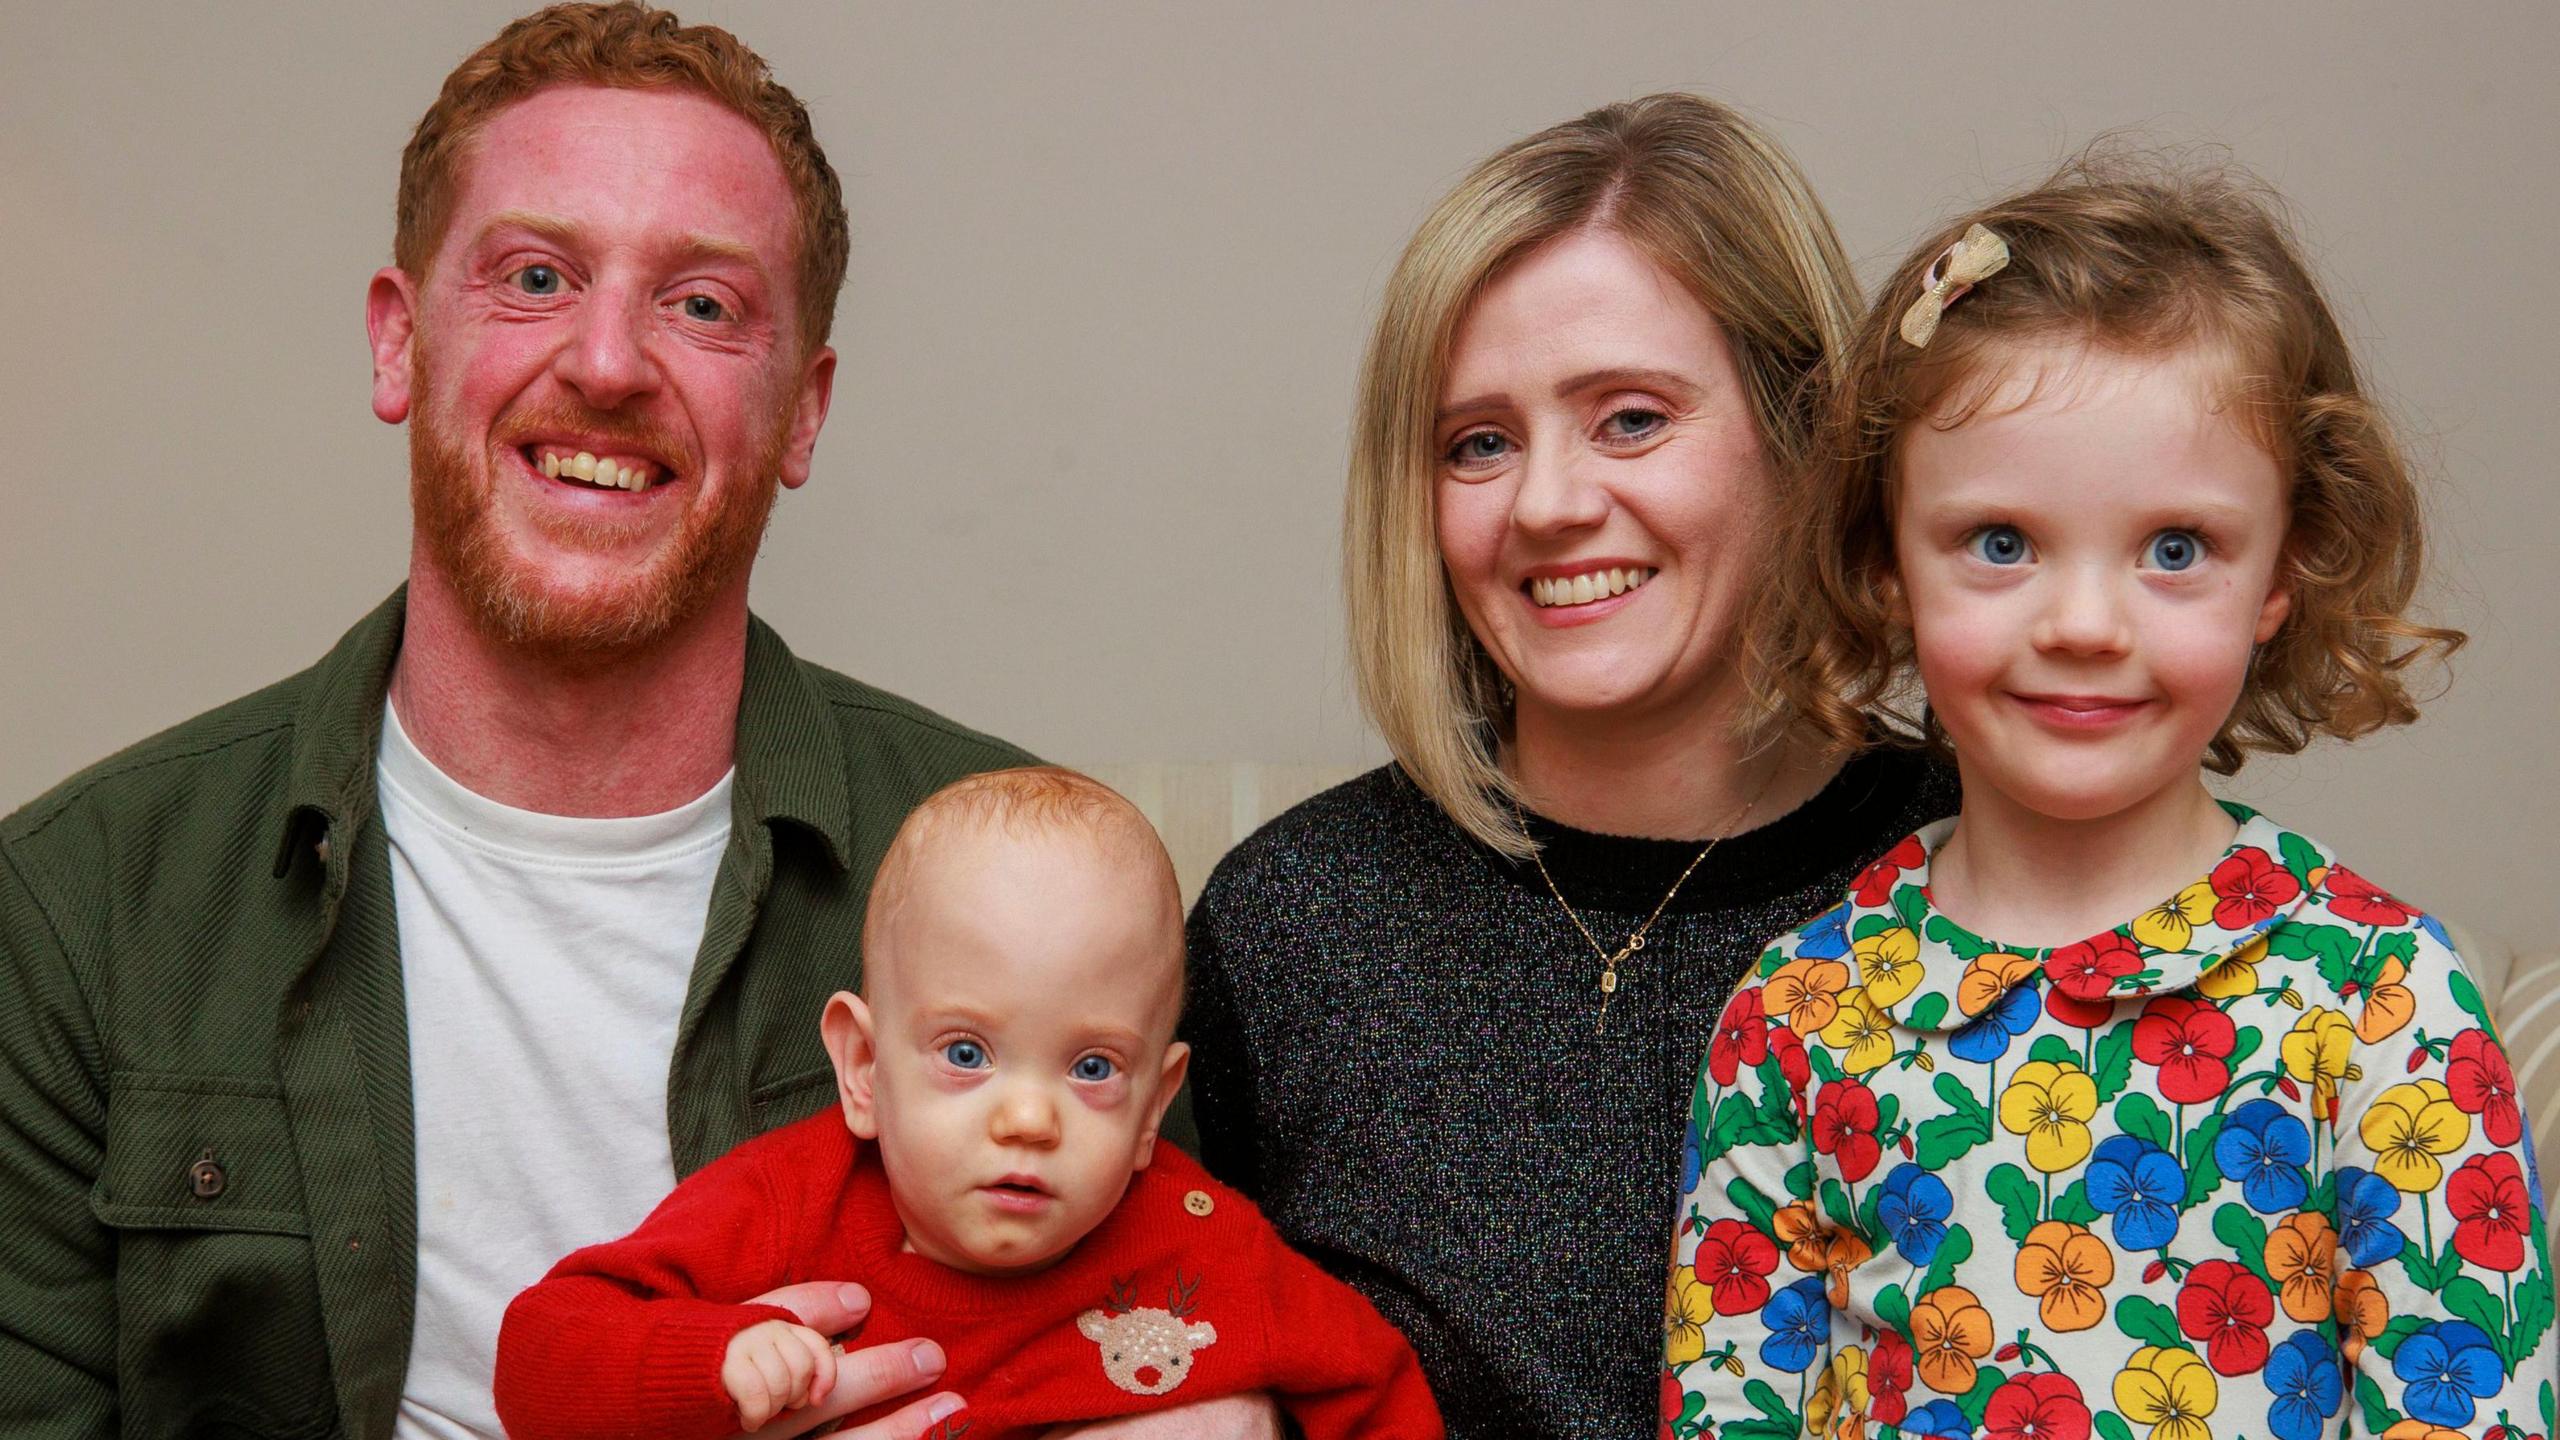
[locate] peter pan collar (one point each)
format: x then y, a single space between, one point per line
1935 975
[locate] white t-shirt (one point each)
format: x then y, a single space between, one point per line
545 961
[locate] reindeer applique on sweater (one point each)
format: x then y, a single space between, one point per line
1148 1351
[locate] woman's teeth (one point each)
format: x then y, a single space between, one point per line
633 475
1582 589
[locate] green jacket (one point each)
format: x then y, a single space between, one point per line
207 1160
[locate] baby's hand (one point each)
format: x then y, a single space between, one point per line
773 1366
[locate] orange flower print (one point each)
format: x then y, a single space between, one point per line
1988 976
1805 993
1831 1254
2362 1310
2066 1269
2298 1256
2388 1006
1949 1332
1793 1224
2421 1430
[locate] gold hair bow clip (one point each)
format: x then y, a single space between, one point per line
1976 257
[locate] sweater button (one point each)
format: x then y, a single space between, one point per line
205 1177
1199 1203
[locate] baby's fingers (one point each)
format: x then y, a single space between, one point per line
822 1365
783 1368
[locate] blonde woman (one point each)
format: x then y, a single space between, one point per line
1446 1017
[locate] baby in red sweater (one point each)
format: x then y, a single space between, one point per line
991 1175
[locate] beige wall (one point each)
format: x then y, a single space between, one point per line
1113 266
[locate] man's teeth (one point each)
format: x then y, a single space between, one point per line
630 475
1584 588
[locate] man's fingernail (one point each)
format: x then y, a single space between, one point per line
929 1360
853 1297
942 1409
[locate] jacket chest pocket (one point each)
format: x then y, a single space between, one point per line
217 1301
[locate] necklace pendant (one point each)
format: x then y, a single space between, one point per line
1608 982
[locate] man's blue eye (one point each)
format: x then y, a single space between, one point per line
538 280
2174 550
1095 1067
703 307
965 1055
2000 545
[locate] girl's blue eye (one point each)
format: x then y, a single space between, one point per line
537 280
1094 1067
2000 545
965 1055
2174 550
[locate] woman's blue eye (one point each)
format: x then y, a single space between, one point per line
1094 1067
2000 545
538 280
703 307
1632 423
1478 447
965 1055
2174 550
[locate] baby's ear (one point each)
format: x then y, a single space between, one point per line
1177 1064
855 1053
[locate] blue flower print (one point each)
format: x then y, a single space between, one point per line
2366 1203
1986 1037
2449 1366
1938 1420
1913 1208
2435 927
1826 938
1689 1162
2303 1373
2265 1147
2140 1185
1799 1320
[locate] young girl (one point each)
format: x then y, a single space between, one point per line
2007 1144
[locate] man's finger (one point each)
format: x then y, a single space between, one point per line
909 1423
829 1307
864 1378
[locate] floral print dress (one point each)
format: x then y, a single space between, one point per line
2250 1165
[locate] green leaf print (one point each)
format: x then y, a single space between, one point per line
2245 1044
1953 1251
2468 1298
1978 1399
2141 1117
2429 1274
2533 1316
1940 1141
2021 1203
1800 1181
2246 1234
1870 926
1757 1207
2054 1050
2115 1063
1836 1207
2150 1322
2074 1205
1888 1110
2298 857
1911 905
1966 945
1894 1310
2204 1173
2387 1344
2378 1414
2467 995
2334 947
1927 1011
1766 1401
2111 1426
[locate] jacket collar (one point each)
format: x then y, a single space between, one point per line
1936 975
790 759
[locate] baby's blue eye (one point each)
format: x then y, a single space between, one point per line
537 280
965 1055
2174 550
1094 1067
2000 545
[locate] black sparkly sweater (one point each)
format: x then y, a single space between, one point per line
1394 1054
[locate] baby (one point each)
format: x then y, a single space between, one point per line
991 1176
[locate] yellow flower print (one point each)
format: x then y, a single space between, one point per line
1861 1032
2051 1105
1837 1408
2407 1128
2235 973
2172 923
2388 1006
2316 1053
1805 993
2299 1253
2065 1268
1949 1331
1889 965
1989 975
2170 1390
1685 1312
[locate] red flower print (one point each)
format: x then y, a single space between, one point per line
2248 887
2040 1405
2484 1084
1788 1046
2487 1196
2089 969
2227 1308
1888 1379
2190 1041
2077 1013
1875 883
2359 901
1844 1127
1736 1260
1742 1037
1673 1400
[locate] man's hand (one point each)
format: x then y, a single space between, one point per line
1236 1417
772 1366
864 1377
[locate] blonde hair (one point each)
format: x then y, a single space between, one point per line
1721 209
2142 254
625 45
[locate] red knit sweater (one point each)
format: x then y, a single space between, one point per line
626 1338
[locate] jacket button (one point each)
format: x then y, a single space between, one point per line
1199 1203
205 1177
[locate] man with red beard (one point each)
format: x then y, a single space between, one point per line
333 1017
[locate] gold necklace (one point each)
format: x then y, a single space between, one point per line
1635 941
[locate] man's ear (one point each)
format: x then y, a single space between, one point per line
1177 1064
817 387
855 1052
391 326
